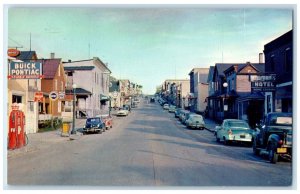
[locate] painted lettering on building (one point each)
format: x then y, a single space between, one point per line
25 70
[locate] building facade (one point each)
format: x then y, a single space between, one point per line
198 89
91 78
279 60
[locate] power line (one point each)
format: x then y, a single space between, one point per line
15 42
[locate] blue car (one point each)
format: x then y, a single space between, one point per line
94 125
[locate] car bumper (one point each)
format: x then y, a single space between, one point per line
196 125
121 114
241 138
91 129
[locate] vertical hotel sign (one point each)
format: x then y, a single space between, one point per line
25 70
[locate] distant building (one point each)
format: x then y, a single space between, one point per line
198 89
279 60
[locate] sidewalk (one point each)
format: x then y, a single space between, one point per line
38 141
210 125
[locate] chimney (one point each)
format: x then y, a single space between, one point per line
52 55
261 58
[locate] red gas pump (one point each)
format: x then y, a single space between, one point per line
16 134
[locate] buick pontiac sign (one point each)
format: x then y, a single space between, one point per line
25 70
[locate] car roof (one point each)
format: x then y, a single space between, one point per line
235 120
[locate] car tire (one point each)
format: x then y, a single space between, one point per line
99 132
226 142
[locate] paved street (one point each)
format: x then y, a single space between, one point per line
147 148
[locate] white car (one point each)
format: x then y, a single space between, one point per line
122 112
233 130
195 121
166 106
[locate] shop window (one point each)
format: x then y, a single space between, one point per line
16 99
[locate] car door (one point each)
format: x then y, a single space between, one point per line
222 130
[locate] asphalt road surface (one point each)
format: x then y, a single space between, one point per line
149 148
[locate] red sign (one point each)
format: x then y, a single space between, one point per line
38 96
13 52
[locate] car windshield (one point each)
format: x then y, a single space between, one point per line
238 124
196 118
93 121
280 120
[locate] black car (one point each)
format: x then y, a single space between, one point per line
95 125
274 137
152 100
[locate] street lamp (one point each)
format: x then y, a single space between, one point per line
74 94
225 107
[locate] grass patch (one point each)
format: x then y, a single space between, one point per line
50 125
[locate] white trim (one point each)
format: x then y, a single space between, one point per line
284 84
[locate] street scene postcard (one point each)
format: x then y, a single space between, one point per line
149 96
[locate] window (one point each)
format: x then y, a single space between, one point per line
272 64
288 60
55 84
59 70
61 85
16 99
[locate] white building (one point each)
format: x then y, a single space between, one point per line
92 86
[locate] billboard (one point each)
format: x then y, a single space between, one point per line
25 70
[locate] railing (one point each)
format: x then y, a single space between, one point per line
44 117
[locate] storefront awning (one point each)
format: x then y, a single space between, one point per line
103 97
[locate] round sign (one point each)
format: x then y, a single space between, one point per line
13 52
53 95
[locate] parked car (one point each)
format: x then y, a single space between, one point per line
166 106
172 108
123 112
274 137
195 121
107 119
182 114
152 100
233 130
94 124
127 107
186 116
177 111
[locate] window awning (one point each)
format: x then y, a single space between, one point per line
103 97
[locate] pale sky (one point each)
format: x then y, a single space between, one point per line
148 45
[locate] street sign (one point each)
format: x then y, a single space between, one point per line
13 52
53 95
38 96
263 82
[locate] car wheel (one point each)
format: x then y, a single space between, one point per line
99 132
226 142
273 156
